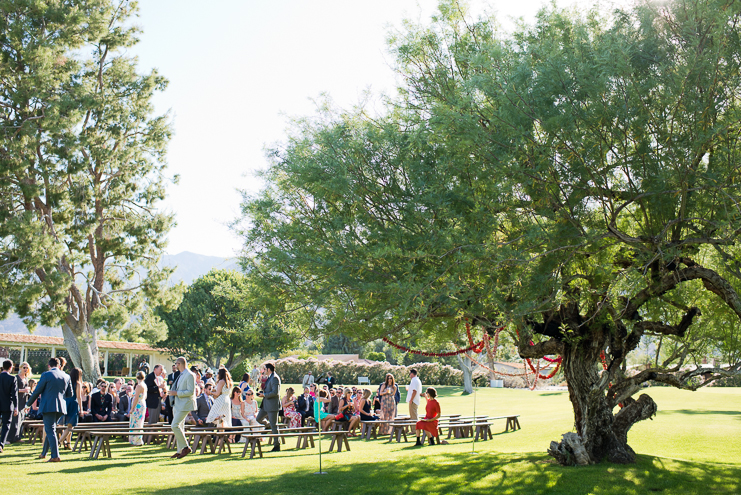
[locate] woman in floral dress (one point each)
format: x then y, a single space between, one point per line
387 392
138 409
289 410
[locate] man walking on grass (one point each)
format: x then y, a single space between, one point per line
413 394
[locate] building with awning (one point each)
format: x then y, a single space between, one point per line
116 358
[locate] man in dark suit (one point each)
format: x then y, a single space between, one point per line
203 406
8 401
330 380
271 402
305 406
123 413
53 387
101 404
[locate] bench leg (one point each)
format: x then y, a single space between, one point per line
347 444
517 422
331 445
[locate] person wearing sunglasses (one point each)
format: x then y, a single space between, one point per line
24 389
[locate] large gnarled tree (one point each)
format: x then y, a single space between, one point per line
81 172
576 180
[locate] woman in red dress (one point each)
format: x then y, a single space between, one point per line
429 422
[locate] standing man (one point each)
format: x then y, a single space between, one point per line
184 401
271 403
255 377
8 401
330 380
154 397
413 394
54 386
308 380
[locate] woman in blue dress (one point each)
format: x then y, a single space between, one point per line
73 406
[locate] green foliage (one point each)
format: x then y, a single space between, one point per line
220 319
375 356
581 172
82 163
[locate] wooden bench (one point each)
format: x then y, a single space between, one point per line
512 422
101 438
339 438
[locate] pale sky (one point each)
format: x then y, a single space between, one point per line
239 69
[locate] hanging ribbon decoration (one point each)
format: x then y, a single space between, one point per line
485 345
473 347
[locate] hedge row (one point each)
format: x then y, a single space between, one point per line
292 370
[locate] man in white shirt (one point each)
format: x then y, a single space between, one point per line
308 380
414 392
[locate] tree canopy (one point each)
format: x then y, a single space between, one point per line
82 171
575 180
221 320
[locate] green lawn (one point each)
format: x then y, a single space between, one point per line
692 446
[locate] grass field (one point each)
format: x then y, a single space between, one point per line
693 446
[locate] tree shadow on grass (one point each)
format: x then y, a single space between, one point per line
704 412
484 473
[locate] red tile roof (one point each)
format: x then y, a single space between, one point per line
17 338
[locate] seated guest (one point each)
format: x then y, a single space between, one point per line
244 385
238 411
429 422
289 409
305 406
322 405
365 407
313 390
203 406
250 409
123 412
333 407
34 412
85 416
101 404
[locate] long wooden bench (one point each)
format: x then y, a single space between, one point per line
339 438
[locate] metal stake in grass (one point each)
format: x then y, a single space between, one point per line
319 429
473 443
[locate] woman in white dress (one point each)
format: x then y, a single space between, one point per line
138 409
250 409
221 410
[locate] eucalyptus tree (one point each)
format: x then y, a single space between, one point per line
82 162
223 319
574 180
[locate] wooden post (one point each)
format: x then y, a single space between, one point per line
23 353
128 363
105 373
53 351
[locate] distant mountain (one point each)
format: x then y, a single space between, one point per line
190 266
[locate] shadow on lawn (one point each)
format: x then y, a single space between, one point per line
482 473
704 411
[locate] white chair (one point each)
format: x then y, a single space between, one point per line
363 380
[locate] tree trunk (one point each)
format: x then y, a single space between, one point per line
82 345
600 433
467 367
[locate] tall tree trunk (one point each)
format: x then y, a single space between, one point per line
467 367
82 345
599 434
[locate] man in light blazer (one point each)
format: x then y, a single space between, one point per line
183 398
271 403
53 387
